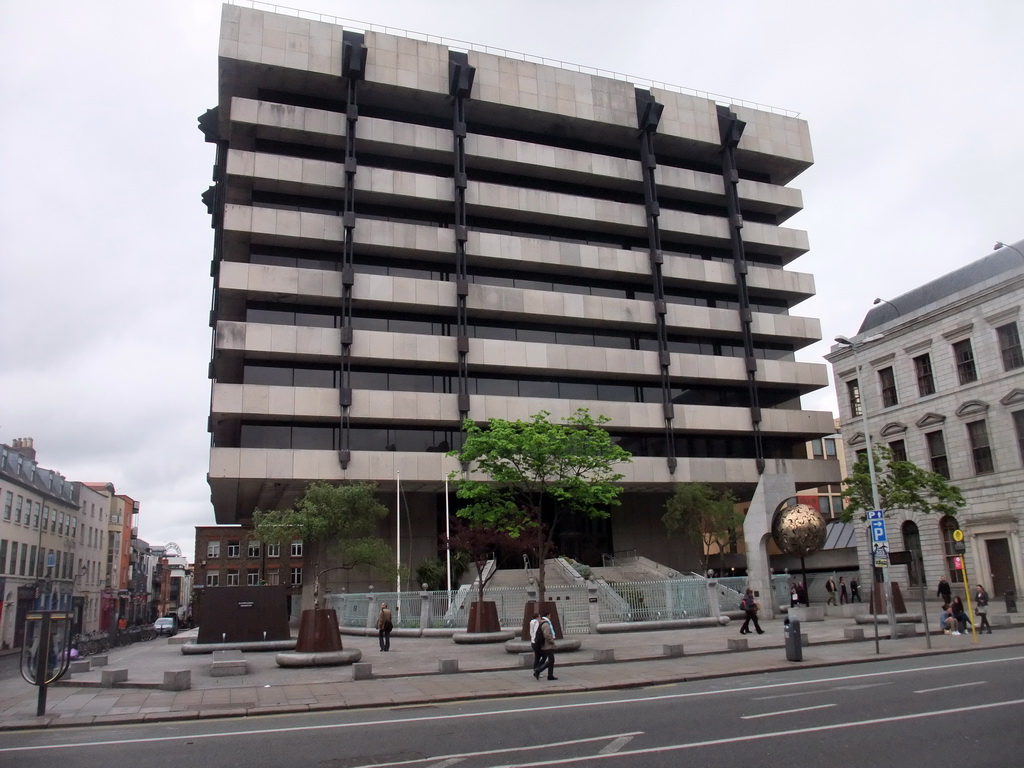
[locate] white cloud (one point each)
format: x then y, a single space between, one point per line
106 247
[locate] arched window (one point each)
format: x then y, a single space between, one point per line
912 543
947 525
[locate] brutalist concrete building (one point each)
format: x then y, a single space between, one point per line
408 234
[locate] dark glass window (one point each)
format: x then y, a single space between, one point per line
830 448
963 353
887 380
899 450
981 450
853 393
925 377
937 453
1018 426
912 542
947 525
1009 346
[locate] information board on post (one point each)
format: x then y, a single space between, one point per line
879 539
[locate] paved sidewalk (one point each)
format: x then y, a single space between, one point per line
409 673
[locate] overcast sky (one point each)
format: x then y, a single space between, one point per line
915 114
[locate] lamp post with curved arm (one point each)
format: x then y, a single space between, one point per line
854 347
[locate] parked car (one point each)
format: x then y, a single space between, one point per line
167 625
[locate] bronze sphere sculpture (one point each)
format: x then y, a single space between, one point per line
798 529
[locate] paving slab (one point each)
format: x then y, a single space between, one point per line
410 674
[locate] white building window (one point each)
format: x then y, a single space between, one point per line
232 580
233 548
254 549
252 578
273 550
297 549
296 577
213 549
213 578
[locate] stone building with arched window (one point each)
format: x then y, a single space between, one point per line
939 371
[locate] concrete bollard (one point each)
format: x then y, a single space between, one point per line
362 670
526 660
448 666
853 633
906 630
672 650
177 680
80 665
604 655
110 676
738 644
99 660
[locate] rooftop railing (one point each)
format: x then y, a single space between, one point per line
463 45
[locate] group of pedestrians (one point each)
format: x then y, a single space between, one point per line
840 591
954 619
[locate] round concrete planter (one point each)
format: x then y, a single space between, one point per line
562 645
475 638
321 659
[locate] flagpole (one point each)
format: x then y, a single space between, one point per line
398 543
447 536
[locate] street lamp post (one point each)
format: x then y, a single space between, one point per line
854 346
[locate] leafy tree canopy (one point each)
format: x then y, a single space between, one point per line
705 515
572 462
340 519
901 485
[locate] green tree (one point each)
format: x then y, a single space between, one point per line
332 520
705 515
479 545
434 573
571 464
901 485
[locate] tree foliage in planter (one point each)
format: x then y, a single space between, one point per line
479 545
901 485
337 520
434 573
571 463
705 515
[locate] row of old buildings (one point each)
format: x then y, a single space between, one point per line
70 545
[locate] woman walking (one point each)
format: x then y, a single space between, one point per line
384 627
981 608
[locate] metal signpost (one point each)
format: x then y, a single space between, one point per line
46 651
960 548
876 534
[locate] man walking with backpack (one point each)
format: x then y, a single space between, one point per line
546 636
749 606
536 641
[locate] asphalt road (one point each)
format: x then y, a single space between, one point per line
964 708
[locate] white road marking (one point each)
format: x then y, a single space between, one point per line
447 763
764 736
944 667
823 690
785 712
951 687
616 745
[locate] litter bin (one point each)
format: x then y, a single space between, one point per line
791 630
1011 601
